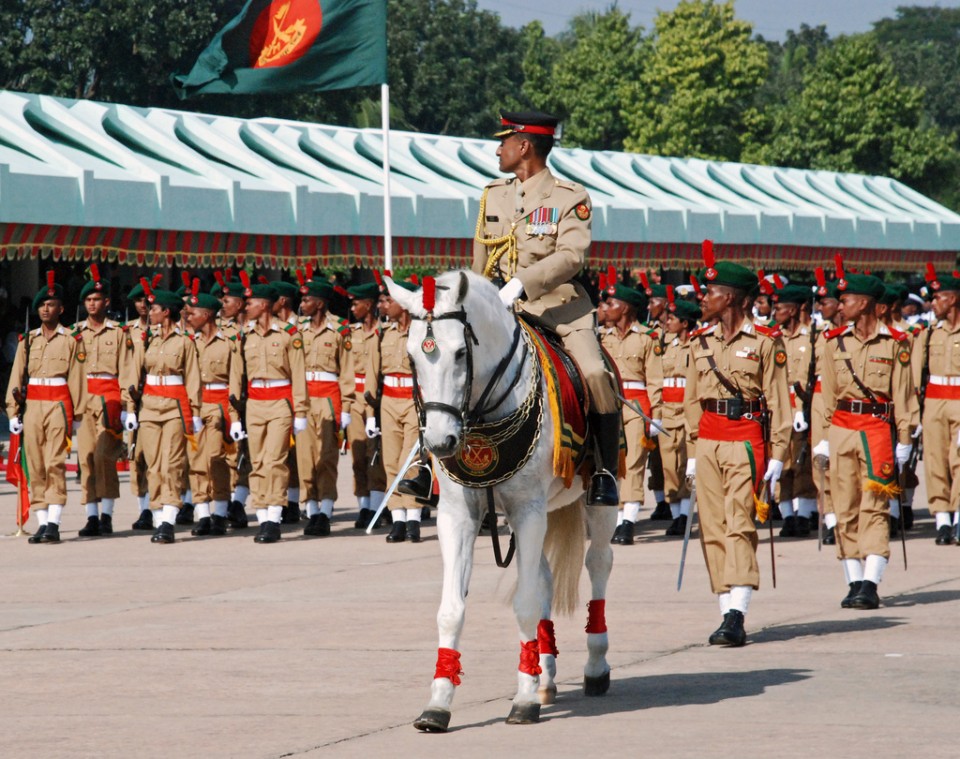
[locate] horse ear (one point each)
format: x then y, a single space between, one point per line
462 289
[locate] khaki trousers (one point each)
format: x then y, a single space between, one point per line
98 450
399 432
941 455
269 427
819 431
366 477
797 481
318 453
209 471
45 446
673 454
165 453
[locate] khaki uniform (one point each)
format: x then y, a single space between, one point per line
550 219
731 456
366 476
276 392
138 468
399 425
819 427
862 467
108 361
166 413
673 441
797 480
238 477
221 375
56 395
328 360
941 417
636 355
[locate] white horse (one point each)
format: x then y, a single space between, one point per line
474 366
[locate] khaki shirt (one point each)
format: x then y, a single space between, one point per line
799 349
749 362
637 357
110 350
882 363
51 357
387 356
219 362
551 221
229 327
327 350
675 362
944 350
277 354
174 354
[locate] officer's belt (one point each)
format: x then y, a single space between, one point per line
47 381
937 379
270 390
634 385
158 380
674 381
719 405
865 407
322 377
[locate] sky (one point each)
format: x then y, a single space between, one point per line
770 18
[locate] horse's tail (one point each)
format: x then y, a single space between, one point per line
564 547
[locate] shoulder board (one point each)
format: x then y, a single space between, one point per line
501 181
572 186
290 329
343 329
835 332
916 329
343 322
233 337
651 333
772 332
704 330
897 335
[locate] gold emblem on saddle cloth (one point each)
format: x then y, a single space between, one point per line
478 454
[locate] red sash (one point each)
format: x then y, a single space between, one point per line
673 394
179 394
718 427
54 394
109 390
398 392
943 392
282 393
219 398
641 397
879 443
327 389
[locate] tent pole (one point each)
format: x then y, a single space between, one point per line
387 230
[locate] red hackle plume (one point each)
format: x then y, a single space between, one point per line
838 265
195 291
429 293
219 277
931 272
245 281
147 290
611 276
708 257
645 281
185 276
95 273
50 282
671 301
309 271
301 279
157 279
415 279
602 282
777 281
379 279
263 280
696 284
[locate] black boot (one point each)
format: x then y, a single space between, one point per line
291 513
398 533
678 527
867 597
419 486
144 521
413 531
616 534
894 527
318 526
907 517
218 525
944 535
185 514
106 524
163 534
91 529
789 529
363 519
51 534
847 599
203 527
236 516
605 429
269 533
731 632
803 527
37 537
661 513
829 537
626 533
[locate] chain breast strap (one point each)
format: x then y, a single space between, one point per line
498 247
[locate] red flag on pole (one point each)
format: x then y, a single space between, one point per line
17 477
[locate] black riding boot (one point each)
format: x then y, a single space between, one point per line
603 485
420 485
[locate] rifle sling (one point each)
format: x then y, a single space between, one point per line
727 384
863 388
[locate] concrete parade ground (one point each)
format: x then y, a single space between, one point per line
219 647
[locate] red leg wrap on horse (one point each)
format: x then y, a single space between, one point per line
448 665
596 619
546 639
530 658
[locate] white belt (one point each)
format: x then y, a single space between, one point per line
631 385
101 376
48 381
936 379
264 383
398 380
322 377
674 381
214 385
164 379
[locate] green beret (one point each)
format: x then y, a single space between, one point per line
829 290
96 287
166 299
729 274
685 310
944 282
318 288
893 293
267 292
286 289
657 291
48 293
406 285
798 294
234 287
635 298
861 284
181 292
136 292
368 291
205 300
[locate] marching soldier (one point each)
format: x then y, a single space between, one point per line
169 408
798 495
636 352
369 479
869 402
285 311
276 403
48 368
138 329
657 305
737 408
108 361
328 360
533 232
218 359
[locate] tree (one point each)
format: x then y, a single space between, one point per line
540 54
694 95
591 77
854 114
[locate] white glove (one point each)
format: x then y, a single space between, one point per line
511 291
654 429
131 422
197 425
344 419
902 452
371 428
799 423
917 432
774 470
299 424
236 432
691 468
822 449
16 426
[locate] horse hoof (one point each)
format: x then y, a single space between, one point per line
596 686
433 721
547 695
524 714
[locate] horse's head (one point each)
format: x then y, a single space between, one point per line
455 347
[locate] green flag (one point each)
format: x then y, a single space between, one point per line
277 46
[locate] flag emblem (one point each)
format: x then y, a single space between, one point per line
284 31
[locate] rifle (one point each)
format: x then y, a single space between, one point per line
916 455
20 393
806 397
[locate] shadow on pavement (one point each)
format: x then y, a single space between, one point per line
861 623
924 597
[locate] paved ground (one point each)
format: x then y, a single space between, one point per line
115 647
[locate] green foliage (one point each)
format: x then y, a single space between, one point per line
540 54
693 96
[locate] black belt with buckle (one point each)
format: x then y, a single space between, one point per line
731 408
865 407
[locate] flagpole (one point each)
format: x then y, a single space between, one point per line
387 228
